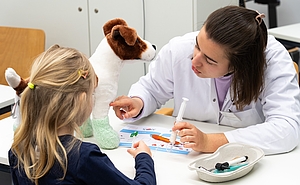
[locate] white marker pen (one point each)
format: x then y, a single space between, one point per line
178 119
226 165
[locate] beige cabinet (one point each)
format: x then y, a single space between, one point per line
165 19
100 11
78 23
65 22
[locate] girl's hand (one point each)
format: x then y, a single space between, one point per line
139 147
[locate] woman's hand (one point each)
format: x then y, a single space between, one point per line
199 141
139 147
126 107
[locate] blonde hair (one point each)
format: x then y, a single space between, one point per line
60 76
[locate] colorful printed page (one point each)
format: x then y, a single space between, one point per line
133 133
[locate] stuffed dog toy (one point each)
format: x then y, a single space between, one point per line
120 45
18 84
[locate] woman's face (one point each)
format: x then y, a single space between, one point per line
209 59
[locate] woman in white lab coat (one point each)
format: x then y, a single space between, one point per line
233 74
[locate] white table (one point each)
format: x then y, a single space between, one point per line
6 98
289 34
173 168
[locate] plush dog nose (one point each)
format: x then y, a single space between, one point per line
154 47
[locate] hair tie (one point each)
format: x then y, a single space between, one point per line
80 72
259 17
30 85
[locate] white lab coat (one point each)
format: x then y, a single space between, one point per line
272 123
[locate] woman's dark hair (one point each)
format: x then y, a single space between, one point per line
243 34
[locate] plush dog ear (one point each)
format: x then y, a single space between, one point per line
15 81
129 34
22 86
107 28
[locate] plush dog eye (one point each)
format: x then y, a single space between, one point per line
116 34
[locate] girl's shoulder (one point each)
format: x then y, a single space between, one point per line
82 148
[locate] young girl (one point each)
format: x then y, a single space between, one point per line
59 98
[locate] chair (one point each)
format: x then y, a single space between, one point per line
165 111
169 111
18 48
272 4
297 71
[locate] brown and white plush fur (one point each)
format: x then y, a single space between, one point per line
120 45
18 84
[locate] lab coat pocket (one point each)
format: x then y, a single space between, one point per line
241 119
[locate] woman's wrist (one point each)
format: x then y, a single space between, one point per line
139 103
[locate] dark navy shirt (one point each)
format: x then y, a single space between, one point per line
88 165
